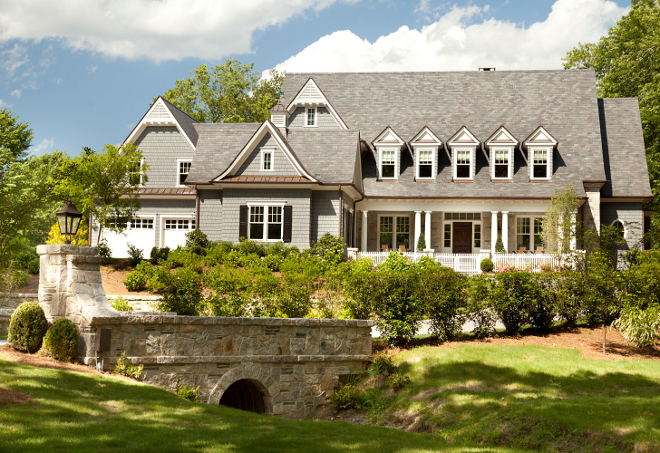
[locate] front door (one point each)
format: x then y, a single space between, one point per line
462 237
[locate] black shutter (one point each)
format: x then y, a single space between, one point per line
243 221
288 218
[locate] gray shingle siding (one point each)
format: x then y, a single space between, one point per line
281 164
210 213
298 198
630 214
324 120
325 213
161 146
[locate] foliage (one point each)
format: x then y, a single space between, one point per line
396 262
104 251
80 238
105 185
330 248
11 280
486 265
228 93
121 303
126 367
499 245
181 291
27 327
347 397
159 254
61 340
357 289
569 292
398 381
421 243
28 259
135 281
135 255
193 394
512 296
382 365
441 292
197 242
559 223
640 327
479 309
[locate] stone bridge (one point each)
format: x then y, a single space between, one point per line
275 366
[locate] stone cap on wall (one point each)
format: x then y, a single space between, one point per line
162 318
66 249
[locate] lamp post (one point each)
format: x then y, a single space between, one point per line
68 219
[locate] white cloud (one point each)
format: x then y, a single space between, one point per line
4 105
45 145
16 93
454 43
92 69
14 58
157 30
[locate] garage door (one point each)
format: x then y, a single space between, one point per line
140 233
174 232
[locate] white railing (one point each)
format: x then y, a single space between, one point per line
523 261
467 263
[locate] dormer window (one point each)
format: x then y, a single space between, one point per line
388 151
463 147
425 149
540 162
501 164
267 160
310 120
388 163
540 146
425 164
463 164
184 170
501 146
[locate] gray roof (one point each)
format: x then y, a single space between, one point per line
186 121
563 102
217 146
623 148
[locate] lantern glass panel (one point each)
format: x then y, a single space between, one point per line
61 221
74 225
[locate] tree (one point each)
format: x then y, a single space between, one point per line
559 223
627 64
421 242
104 185
229 93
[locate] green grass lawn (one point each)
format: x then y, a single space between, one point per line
77 412
532 397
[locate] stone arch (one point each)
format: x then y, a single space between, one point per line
256 377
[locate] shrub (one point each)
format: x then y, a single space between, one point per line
61 340
330 248
121 303
28 259
190 393
246 247
181 291
357 287
135 281
421 243
197 242
12 279
569 292
479 308
27 327
441 293
639 327
382 364
125 367
486 265
512 295
294 298
499 245
542 306
398 381
184 258
104 251
347 397
396 262
159 254
398 312
135 255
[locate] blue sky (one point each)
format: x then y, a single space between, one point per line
83 72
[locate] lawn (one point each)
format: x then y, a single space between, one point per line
76 412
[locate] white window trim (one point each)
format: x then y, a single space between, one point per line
531 231
148 217
411 234
266 205
532 151
434 160
272 159
451 233
178 170
472 150
381 149
625 228
493 151
161 227
316 116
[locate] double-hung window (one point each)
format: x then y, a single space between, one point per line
267 160
394 232
425 164
265 223
528 233
501 164
184 171
540 164
136 173
463 163
310 117
388 163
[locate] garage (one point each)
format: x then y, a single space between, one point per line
141 233
174 231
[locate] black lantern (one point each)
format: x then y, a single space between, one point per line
68 218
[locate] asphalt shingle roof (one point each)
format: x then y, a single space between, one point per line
623 148
330 156
563 102
186 121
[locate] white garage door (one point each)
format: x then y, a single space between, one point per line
174 232
140 233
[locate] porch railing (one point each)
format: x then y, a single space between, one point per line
532 261
467 263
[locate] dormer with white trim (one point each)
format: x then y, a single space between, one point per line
463 145
279 115
160 114
540 147
425 147
388 154
501 148
310 109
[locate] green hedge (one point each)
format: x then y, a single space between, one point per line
27 327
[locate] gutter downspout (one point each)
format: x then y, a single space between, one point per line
196 208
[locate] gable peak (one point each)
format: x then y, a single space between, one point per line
426 136
463 137
388 136
540 137
501 137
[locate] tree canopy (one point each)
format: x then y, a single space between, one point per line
627 64
227 93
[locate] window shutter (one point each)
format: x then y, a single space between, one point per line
243 221
288 220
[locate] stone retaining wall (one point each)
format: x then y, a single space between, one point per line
5 316
13 300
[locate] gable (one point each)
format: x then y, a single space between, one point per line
501 137
540 137
388 137
426 137
281 164
463 137
311 95
163 113
161 146
324 119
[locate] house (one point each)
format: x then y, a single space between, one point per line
380 158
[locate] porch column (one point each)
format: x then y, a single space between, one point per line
418 228
505 230
493 231
573 230
364 231
427 229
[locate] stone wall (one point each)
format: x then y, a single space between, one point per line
5 316
13 300
295 362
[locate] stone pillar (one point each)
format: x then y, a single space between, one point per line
364 230
418 229
493 231
505 230
427 230
591 209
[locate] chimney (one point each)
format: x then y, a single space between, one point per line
486 68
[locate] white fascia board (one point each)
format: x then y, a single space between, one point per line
144 123
540 130
421 133
461 131
502 130
265 127
387 131
323 101
449 205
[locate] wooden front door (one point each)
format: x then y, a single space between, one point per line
462 234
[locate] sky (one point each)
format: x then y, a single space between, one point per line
83 72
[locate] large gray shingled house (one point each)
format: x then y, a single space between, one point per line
380 158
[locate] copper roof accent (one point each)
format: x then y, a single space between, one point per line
279 107
157 191
259 178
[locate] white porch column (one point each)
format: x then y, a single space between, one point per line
427 229
505 230
573 230
493 231
418 228
364 231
